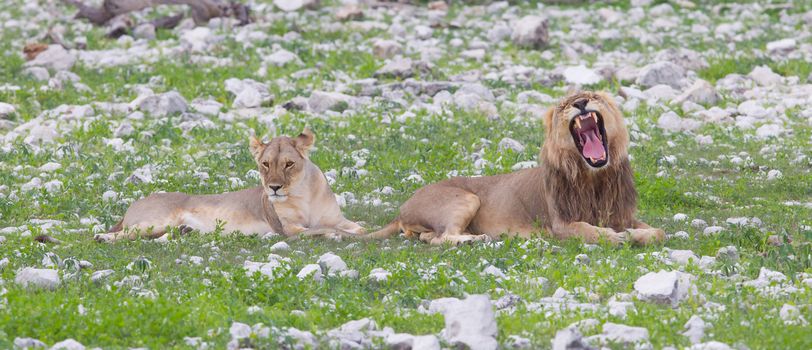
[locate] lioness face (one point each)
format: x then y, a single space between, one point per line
589 124
281 162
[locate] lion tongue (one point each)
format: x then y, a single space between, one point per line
593 148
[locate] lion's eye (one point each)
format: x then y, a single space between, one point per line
289 164
266 165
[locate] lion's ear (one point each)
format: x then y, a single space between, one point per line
305 141
548 119
256 146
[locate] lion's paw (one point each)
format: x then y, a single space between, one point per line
644 236
103 237
615 238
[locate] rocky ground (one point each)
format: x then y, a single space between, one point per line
718 100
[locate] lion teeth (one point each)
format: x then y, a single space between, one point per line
578 122
594 116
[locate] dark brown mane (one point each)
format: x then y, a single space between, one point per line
604 198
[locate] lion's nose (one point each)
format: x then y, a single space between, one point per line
580 104
275 188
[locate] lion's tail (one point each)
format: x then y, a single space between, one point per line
117 227
385 232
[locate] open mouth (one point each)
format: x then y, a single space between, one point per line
590 138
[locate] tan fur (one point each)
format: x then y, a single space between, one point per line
309 202
564 195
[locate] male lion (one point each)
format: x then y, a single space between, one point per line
294 197
583 188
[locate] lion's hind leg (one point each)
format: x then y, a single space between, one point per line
442 217
149 217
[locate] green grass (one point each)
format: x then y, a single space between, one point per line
203 301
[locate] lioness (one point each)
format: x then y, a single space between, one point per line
583 188
294 197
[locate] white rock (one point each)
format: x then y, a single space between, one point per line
101 275
37 73
290 5
469 322
144 31
379 275
581 75
197 39
109 196
50 167
767 131
765 76
52 186
683 257
280 247
386 48
396 68
68 344
196 260
321 101
531 31
712 230
666 287
670 121
729 253
332 263
711 345
282 57
42 278
517 342
423 32
569 338
753 109
695 329
766 277
6 109
792 316
164 104
774 174
207 107
302 339
699 223
701 92
619 308
499 32
782 46
309 270
509 143
662 72
524 165
661 93
239 330
28 343
704 140
623 334
266 269
247 98
493 271
54 58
